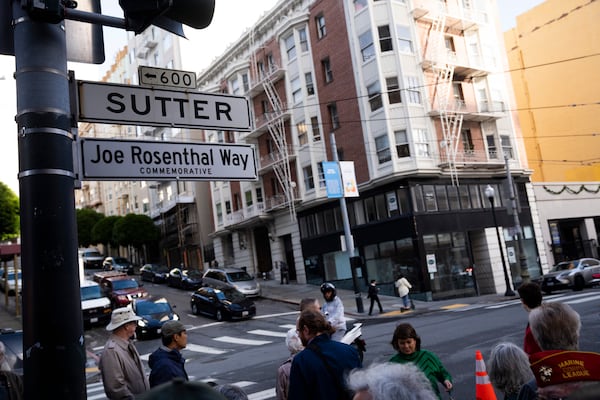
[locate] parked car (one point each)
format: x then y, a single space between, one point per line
224 303
155 273
575 274
13 343
595 279
122 289
186 279
95 307
8 283
120 264
237 277
91 258
154 313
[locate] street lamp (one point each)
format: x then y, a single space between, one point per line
489 193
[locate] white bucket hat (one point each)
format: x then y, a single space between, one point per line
121 316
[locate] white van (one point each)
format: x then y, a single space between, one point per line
95 306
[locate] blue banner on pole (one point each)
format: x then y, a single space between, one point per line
333 179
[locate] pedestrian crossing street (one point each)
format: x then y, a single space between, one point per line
563 298
256 337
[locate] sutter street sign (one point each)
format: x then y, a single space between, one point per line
137 105
143 160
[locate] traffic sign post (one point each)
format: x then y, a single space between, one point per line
152 76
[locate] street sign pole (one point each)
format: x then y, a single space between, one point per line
53 341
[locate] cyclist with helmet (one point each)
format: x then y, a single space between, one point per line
333 310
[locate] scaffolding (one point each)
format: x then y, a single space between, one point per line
276 127
443 73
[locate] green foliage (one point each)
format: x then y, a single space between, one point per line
135 230
86 219
102 231
9 213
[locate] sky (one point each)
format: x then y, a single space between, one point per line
231 19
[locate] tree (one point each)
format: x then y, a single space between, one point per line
135 230
102 231
9 213
86 219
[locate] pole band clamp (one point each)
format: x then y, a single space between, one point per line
47 171
55 131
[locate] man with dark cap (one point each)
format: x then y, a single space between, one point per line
166 362
122 370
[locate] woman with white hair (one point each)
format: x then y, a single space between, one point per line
390 381
508 369
294 345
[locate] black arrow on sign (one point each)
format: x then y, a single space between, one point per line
149 75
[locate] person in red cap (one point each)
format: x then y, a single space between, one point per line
562 371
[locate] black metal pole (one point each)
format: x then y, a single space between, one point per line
53 341
509 291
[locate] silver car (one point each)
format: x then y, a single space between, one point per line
575 274
237 277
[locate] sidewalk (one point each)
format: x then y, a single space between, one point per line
293 293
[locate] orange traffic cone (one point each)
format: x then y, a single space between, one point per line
483 386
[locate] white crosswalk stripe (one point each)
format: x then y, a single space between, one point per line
267 333
563 298
236 340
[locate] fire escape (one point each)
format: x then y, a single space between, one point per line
443 72
280 157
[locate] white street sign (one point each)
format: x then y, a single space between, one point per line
136 105
151 76
145 160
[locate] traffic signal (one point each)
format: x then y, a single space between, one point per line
167 14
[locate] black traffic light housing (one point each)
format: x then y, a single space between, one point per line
167 14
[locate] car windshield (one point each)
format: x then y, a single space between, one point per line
121 260
565 266
232 295
92 254
193 274
239 276
151 307
125 284
90 292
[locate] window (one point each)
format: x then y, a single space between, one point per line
359 5
421 143
235 86
316 130
328 74
374 91
402 148
309 182
404 39
259 197
491 144
290 47
219 213
310 86
296 90
270 62
382 146
413 93
260 67
366 45
248 196
506 146
228 206
303 39
393 89
467 141
245 83
333 115
385 38
321 175
302 136
321 31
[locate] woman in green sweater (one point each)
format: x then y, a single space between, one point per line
408 345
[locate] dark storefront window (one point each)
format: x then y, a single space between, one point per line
386 260
449 264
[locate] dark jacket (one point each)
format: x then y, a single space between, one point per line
372 293
310 378
165 366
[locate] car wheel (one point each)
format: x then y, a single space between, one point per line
219 315
579 283
194 309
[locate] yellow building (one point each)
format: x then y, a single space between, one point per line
554 59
